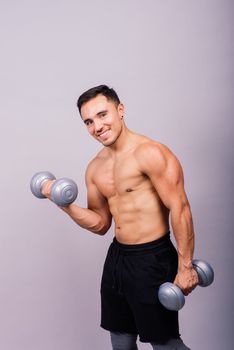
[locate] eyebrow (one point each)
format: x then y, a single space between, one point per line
99 113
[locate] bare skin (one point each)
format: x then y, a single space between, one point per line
138 183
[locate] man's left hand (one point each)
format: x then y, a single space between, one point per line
186 280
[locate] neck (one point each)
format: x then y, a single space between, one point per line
124 142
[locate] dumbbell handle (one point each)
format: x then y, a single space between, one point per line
171 296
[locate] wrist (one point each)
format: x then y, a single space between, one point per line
185 265
67 209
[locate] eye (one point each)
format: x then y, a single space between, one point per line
88 122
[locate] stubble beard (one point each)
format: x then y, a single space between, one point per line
114 141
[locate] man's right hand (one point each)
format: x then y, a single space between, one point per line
46 188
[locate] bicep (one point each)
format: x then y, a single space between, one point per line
95 199
170 185
97 202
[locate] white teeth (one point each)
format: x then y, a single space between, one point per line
103 134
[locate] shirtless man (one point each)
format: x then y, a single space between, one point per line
138 182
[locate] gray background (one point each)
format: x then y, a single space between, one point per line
171 63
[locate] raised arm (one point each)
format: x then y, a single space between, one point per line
166 175
96 217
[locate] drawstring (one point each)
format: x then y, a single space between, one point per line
119 250
121 256
118 263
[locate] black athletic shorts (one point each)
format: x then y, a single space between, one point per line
131 277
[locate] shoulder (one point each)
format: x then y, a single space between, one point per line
155 156
153 150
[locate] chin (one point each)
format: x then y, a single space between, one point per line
108 143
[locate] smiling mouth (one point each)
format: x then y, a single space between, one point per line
104 135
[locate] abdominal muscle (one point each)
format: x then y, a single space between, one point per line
139 216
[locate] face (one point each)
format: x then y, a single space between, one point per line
103 119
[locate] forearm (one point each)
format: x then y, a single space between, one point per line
87 219
182 225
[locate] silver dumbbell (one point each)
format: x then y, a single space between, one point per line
171 296
63 191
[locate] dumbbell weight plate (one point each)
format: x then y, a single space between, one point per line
37 181
64 191
205 272
171 297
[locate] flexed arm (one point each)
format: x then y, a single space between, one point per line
96 217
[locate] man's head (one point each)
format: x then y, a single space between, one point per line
104 90
102 113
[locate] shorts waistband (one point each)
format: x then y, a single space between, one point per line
141 247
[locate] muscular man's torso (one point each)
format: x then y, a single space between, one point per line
138 213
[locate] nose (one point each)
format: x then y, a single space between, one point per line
98 125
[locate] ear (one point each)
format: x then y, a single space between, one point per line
121 110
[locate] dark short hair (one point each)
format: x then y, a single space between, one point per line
104 90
